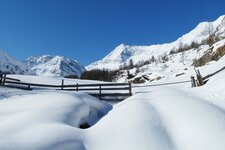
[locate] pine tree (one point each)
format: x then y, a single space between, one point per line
131 64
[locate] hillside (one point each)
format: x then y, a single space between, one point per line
165 60
11 65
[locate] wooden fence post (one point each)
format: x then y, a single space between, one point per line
193 83
100 92
77 87
199 78
1 75
130 89
4 78
62 84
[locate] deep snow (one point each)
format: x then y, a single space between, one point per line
47 120
162 118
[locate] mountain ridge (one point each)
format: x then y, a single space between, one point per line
47 65
122 53
10 65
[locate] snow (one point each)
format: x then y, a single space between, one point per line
47 120
169 117
51 80
133 125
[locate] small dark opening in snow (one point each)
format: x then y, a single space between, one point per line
84 126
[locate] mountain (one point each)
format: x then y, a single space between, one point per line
12 66
199 36
170 60
47 65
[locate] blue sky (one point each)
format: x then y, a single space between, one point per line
87 30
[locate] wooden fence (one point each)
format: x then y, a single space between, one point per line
109 91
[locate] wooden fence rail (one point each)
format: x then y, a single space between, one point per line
118 91
212 74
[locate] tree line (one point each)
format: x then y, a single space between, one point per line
110 75
102 75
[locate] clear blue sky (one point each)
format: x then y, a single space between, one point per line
87 30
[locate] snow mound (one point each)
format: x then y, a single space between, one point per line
162 118
47 120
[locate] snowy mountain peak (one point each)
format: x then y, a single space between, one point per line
48 65
198 36
120 50
202 31
3 54
220 20
10 65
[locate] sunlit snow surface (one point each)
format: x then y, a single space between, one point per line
46 119
162 118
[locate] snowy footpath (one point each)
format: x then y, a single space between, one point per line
155 118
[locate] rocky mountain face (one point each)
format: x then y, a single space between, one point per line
10 65
166 60
47 65
41 65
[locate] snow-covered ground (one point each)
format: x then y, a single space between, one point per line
51 80
165 118
47 120
154 118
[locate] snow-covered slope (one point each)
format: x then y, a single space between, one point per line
177 66
10 65
47 65
199 36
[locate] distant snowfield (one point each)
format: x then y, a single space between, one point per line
154 118
50 80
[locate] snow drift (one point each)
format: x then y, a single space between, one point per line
47 120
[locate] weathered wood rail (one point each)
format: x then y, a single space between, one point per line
214 73
106 91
